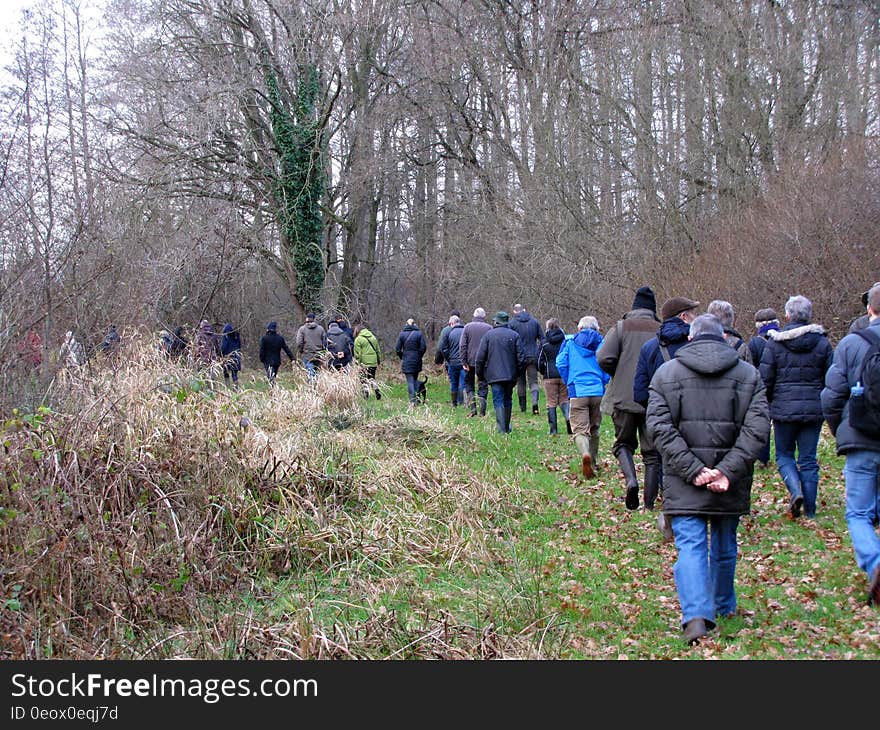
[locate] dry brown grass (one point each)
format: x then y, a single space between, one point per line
140 510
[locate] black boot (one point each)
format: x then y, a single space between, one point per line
652 483
482 405
522 403
628 467
551 419
470 403
508 412
566 411
454 399
500 424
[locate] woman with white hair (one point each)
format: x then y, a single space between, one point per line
793 366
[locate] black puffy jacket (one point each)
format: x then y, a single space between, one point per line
530 332
410 348
707 408
793 366
550 347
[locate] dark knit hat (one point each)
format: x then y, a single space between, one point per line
766 315
310 316
502 317
675 306
272 326
645 299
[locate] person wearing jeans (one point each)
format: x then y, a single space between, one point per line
500 359
707 415
860 447
793 366
410 348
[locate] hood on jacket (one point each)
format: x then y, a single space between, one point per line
365 332
798 337
555 336
707 355
227 328
334 329
410 328
588 339
311 324
523 317
673 330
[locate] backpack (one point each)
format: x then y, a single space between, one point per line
864 399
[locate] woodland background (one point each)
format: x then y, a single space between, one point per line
244 160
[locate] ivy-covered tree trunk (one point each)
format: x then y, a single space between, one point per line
299 189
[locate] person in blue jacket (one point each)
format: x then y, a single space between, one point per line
586 381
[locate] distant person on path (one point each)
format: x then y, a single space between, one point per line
793 366
861 447
725 312
72 353
500 359
707 415
340 346
311 345
529 330
766 321
343 324
475 389
207 345
585 382
230 349
30 350
179 344
677 314
410 348
438 355
272 345
450 349
111 344
368 357
619 356
555 389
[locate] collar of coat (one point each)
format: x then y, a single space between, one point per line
781 335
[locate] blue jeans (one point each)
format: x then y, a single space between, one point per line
862 475
412 386
311 367
502 394
456 378
705 569
801 477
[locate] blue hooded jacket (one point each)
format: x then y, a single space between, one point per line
578 367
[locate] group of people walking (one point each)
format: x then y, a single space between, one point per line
697 400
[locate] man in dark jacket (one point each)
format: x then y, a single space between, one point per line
707 415
529 330
230 349
725 312
410 348
677 314
340 346
863 321
500 360
471 336
618 356
793 367
271 346
861 449
766 321
449 347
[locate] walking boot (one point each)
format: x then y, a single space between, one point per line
566 411
652 484
454 399
470 403
551 419
535 398
583 444
694 630
500 425
628 467
508 412
522 403
482 406
594 451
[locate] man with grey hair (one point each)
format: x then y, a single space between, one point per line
724 311
793 366
450 348
471 335
860 447
859 323
531 333
707 415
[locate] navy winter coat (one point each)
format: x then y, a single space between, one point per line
230 348
530 332
271 346
339 341
501 357
449 345
410 348
793 368
673 333
553 339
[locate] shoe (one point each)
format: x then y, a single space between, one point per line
874 589
534 409
378 395
587 466
795 506
694 630
632 497
665 527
